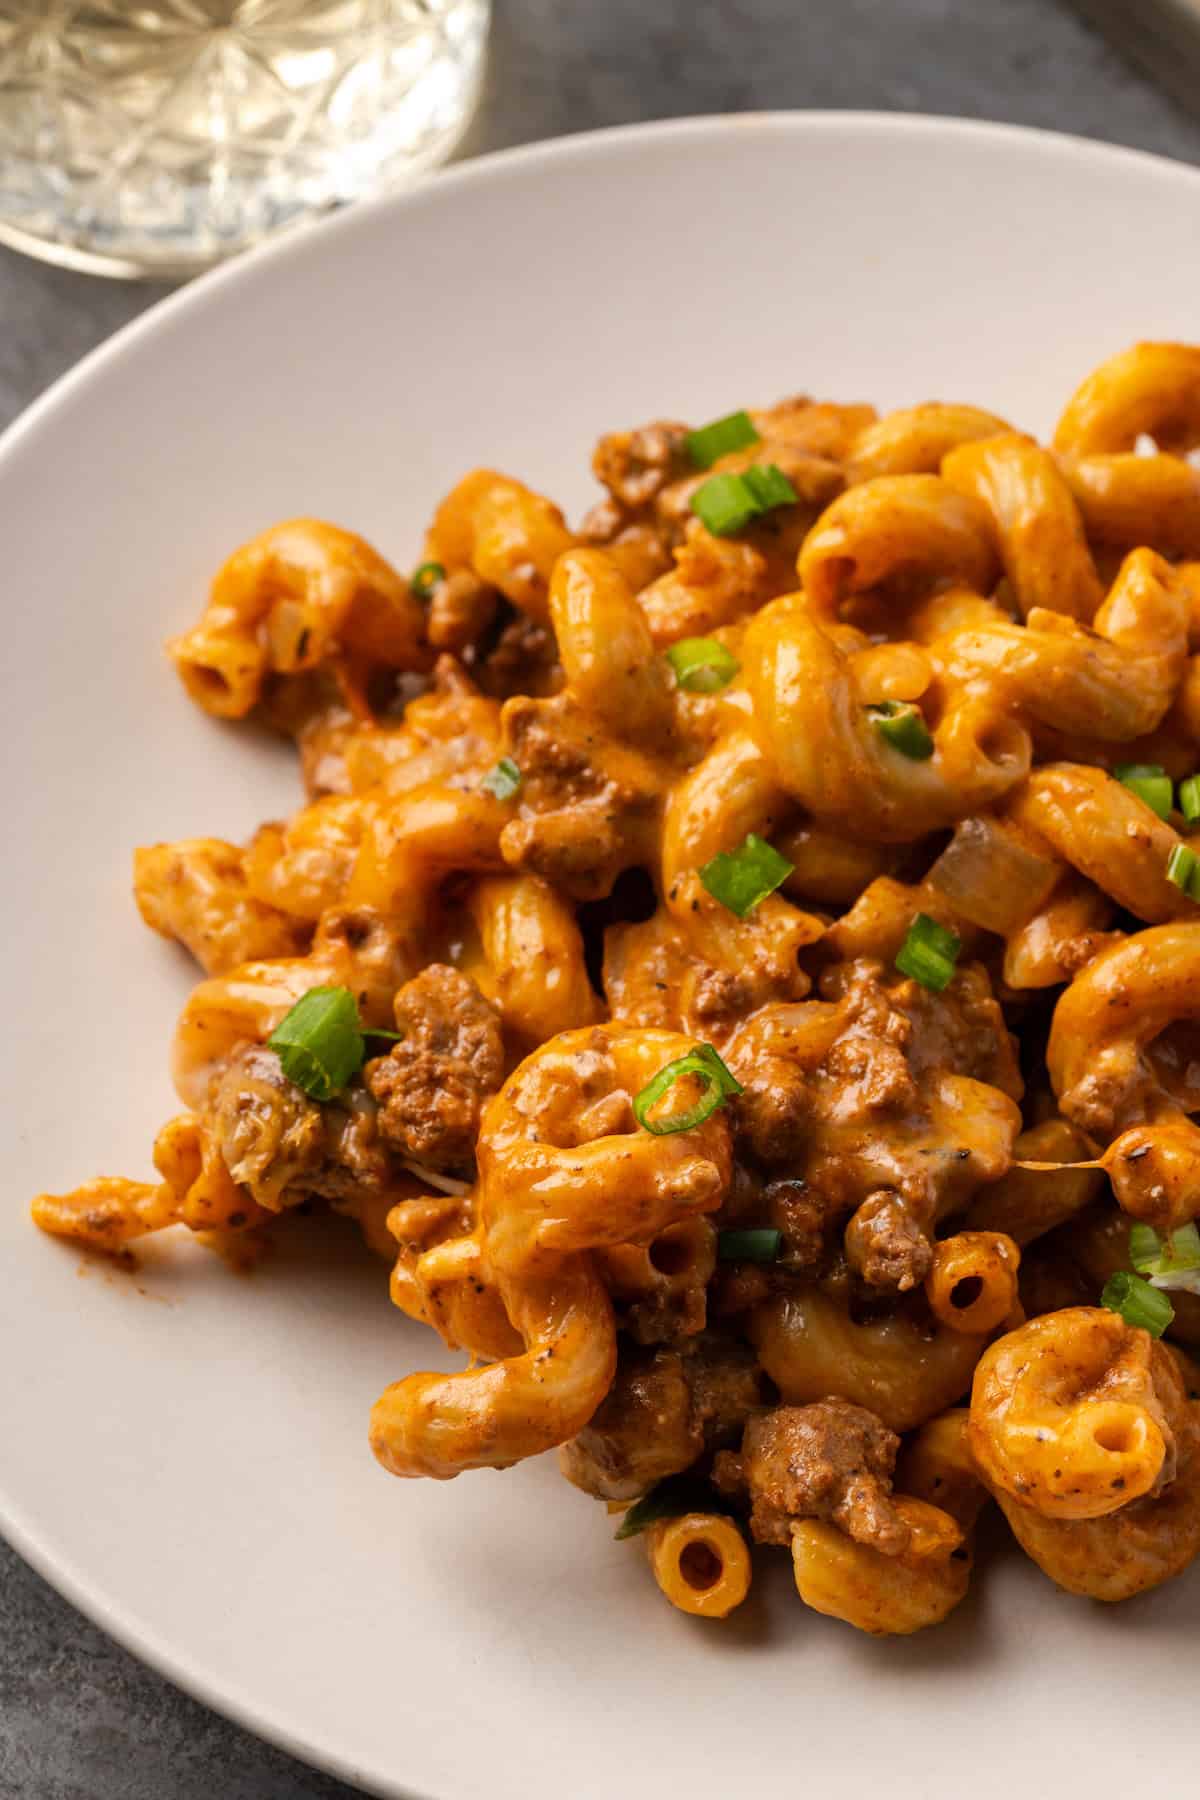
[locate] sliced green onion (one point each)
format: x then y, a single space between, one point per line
929 953
770 486
1163 1259
720 1086
1182 1249
1189 798
504 780
1182 1281
724 503
1145 1248
748 1246
1184 870
1150 782
739 881
733 432
1137 1302
670 1499
426 578
903 726
320 1041
702 665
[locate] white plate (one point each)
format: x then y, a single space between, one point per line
185 1456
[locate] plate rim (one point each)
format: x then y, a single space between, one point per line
299 243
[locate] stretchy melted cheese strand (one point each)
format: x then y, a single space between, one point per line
741 880
929 953
710 442
1150 782
720 1086
702 665
1137 1302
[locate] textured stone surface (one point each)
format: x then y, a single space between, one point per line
79 1719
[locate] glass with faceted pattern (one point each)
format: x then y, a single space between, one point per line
143 137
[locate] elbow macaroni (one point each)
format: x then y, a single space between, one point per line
1066 1414
701 1563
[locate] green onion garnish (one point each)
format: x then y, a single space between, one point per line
1171 1263
720 1086
1184 870
670 1499
320 1041
1145 1248
739 881
1189 798
929 953
504 780
748 1246
1150 782
1137 1302
770 486
702 665
426 578
733 432
724 503
903 726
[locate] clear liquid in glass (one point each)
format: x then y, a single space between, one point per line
158 136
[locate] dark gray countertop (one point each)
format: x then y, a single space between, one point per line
80 1719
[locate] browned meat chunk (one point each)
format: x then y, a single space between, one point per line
435 1082
727 1386
523 660
636 465
281 1146
797 1212
642 1431
885 1245
460 611
829 1461
588 804
665 1409
270 1133
847 1096
694 970
962 1029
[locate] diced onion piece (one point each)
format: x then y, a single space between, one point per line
992 876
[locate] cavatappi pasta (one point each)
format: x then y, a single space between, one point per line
739 960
